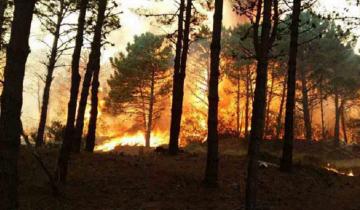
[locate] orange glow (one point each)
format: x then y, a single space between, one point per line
137 139
332 169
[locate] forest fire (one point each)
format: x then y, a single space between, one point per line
137 139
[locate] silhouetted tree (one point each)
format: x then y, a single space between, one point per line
211 172
268 13
11 102
286 161
94 66
75 75
60 10
176 106
111 23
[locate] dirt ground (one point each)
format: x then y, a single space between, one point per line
122 180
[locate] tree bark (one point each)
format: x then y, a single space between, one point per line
305 104
49 78
179 76
75 78
94 66
11 102
259 104
211 173
238 115
94 56
3 6
91 136
287 156
94 61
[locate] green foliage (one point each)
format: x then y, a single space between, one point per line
146 63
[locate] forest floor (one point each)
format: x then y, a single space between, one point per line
125 180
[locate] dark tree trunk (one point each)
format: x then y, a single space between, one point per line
94 61
271 92
281 111
75 78
262 49
211 173
305 103
94 56
91 136
286 160
182 49
11 102
151 110
322 110
337 120
238 115
247 101
94 66
3 6
49 79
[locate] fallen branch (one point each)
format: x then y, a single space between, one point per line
37 156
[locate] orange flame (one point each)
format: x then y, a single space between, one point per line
137 139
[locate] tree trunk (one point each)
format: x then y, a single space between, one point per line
259 104
211 173
179 76
247 102
238 115
94 61
95 68
151 110
337 120
11 102
305 104
287 156
322 110
75 78
281 110
49 79
271 92
91 136
3 6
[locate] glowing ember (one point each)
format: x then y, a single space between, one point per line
137 139
329 168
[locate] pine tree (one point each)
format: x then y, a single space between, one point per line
94 66
140 82
60 10
75 76
11 102
211 172
286 161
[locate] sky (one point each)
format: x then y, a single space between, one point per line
132 24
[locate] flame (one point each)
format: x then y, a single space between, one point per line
137 139
332 169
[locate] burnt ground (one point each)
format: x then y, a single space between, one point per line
125 180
